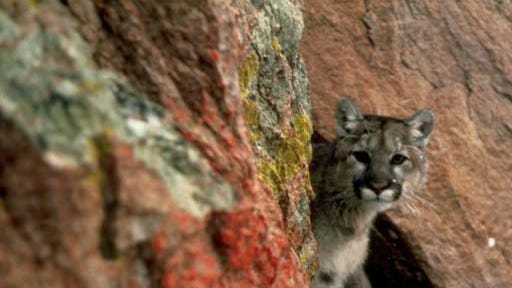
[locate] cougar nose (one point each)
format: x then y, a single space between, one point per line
378 186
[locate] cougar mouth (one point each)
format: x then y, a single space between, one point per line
387 194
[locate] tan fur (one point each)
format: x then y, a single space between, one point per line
374 163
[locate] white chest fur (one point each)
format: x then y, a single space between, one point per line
340 257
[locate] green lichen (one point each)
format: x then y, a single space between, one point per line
270 174
33 3
284 166
248 72
247 78
291 24
291 157
307 256
104 154
279 165
251 114
303 127
276 45
304 259
274 90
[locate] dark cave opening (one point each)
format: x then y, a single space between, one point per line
392 261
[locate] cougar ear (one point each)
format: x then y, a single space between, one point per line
348 117
420 125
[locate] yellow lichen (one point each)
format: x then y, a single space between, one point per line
248 72
33 3
98 147
303 127
304 259
252 117
312 268
276 45
270 174
91 87
291 157
293 150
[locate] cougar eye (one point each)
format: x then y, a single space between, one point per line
398 159
362 156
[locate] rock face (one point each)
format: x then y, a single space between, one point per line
393 57
155 145
274 88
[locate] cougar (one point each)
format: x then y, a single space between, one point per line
374 163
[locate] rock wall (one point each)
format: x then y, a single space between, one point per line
275 94
152 144
393 57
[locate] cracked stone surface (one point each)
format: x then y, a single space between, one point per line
139 147
393 57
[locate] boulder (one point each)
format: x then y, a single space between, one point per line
155 145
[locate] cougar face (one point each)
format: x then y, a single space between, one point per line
378 159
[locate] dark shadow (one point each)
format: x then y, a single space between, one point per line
391 261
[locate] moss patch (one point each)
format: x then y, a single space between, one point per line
33 3
276 46
274 92
248 72
252 114
293 152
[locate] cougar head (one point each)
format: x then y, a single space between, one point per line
380 159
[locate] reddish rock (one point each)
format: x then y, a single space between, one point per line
194 74
393 57
149 181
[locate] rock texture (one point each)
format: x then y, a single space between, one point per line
153 144
275 93
393 57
